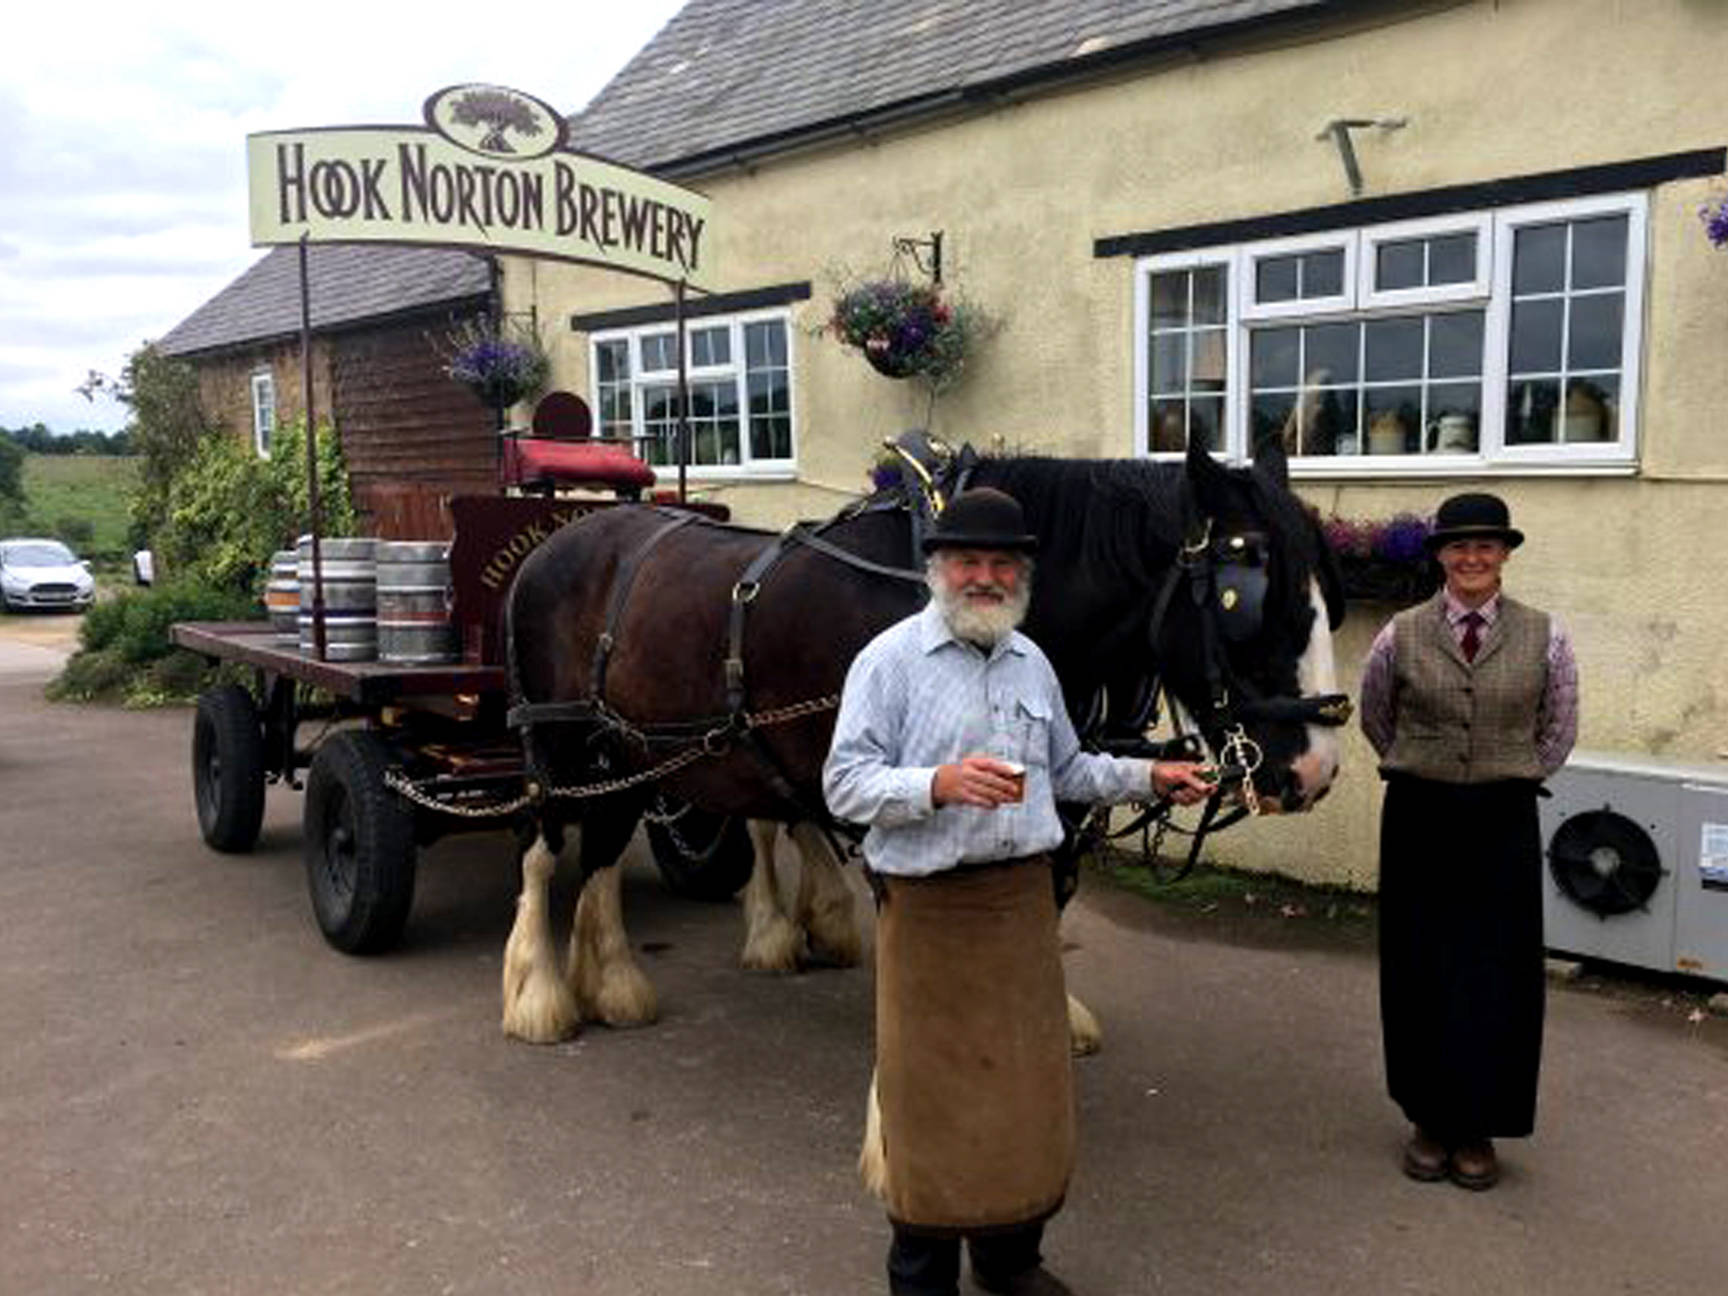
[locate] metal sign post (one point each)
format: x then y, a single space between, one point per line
314 505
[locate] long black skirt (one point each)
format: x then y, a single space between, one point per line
1461 961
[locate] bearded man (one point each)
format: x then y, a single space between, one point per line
953 745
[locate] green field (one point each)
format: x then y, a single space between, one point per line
84 500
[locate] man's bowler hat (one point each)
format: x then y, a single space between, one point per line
1473 517
982 519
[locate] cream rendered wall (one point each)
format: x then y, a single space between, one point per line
1490 89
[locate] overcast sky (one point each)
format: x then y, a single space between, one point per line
122 146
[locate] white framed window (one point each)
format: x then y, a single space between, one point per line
1298 276
263 412
1504 340
740 374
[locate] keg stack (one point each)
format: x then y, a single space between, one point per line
282 597
350 568
415 627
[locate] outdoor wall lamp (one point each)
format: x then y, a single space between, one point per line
1339 129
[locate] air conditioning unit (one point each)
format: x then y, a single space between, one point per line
1637 863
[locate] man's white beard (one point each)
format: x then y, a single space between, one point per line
980 623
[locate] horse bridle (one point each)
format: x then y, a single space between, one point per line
1227 583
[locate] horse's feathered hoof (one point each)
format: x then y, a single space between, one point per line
773 945
1085 1035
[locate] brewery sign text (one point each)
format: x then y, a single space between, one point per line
488 172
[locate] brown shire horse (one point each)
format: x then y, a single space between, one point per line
1214 579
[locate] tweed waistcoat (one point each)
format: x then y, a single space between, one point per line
1467 722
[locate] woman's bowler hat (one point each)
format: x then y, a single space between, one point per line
982 519
1473 517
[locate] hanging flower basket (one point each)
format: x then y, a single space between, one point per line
907 330
1715 218
1383 561
501 364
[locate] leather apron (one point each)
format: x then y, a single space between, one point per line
974 1076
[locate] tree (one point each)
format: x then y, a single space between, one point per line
168 425
11 470
499 110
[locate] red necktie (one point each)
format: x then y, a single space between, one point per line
1472 639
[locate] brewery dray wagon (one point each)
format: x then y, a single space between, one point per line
397 755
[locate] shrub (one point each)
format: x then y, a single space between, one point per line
229 510
133 626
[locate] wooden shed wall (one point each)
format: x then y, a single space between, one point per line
411 436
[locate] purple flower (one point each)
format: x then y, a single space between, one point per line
1715 222
1402 539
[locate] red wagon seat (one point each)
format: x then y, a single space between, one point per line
562 452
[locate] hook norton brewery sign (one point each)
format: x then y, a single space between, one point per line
489 171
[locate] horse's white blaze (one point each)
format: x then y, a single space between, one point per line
608 985
1316 673
538 1005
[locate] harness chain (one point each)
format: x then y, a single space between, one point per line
712 743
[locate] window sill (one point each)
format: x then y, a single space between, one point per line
1389 470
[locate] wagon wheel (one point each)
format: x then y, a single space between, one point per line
228 768
359 845
701 856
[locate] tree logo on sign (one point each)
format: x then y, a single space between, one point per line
495 122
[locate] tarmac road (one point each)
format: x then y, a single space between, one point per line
198 1096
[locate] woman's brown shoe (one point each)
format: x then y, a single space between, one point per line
1424 1158
1475 1166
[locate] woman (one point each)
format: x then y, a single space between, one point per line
1471 700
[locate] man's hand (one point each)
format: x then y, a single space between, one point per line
975 781
1181 781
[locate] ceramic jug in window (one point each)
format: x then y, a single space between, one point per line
1386 434
1452 434
1586 417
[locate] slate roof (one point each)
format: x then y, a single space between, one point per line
726 74
350 284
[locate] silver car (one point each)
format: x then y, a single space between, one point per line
43 574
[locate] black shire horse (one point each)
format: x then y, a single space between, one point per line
653 648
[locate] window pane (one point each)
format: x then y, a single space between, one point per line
659 352
1273 358
1329 424
1323 274
1454 415
1169 427
1206 421
1393 349
1599 253
1592 410
1530 411
1209 304
614 360
765 344
1269 414
1169 300
711 346
1392 415
1207 372
1275 279
1169 362
1452 259
1331 353
1399 265
1536 336
1594 341
1539 259
1455 344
